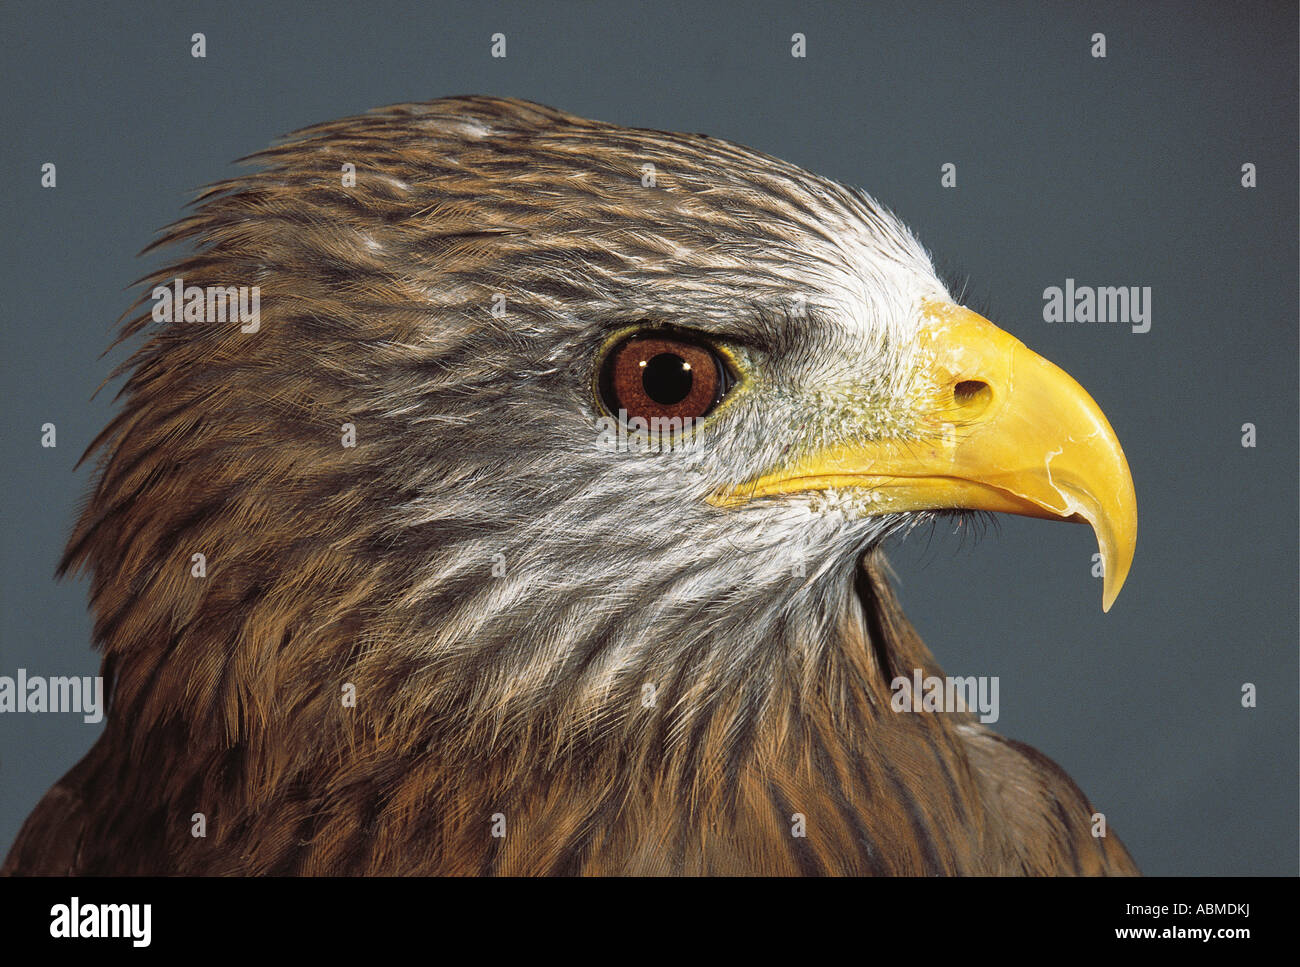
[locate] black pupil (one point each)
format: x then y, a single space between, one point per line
667 379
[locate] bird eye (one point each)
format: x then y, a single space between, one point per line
663 376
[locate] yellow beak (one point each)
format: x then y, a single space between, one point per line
1011 433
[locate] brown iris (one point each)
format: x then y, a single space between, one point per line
662 377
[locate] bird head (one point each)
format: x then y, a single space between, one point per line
627 409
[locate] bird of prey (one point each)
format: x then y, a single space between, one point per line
534 527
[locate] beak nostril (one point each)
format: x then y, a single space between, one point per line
970 391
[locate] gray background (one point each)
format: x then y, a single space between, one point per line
1123 171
